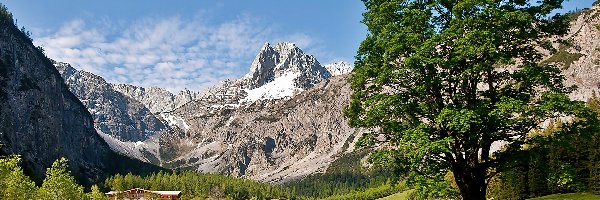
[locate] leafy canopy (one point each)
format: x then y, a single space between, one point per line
59 183
14 184
440 81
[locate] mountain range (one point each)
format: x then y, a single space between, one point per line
281 121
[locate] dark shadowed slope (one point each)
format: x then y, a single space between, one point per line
41 120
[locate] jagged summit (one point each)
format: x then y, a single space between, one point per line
157 99
339 68
284 59
280 71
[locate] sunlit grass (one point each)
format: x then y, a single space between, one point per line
398 196
572 196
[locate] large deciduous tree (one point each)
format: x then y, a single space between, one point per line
443 81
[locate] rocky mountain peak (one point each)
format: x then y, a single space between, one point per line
339 68
281 70
64 68
284 59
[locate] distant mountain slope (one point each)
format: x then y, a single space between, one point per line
123 122
579 53
114 113
339 68
156 99
42 120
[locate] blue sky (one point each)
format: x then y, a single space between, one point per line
189 43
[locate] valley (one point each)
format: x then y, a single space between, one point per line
294 128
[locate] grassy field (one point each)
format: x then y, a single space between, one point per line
572 196
398 196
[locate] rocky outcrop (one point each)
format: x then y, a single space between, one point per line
339 68
156 99
284 59
114 113
42 120
281 121
579 53
124 123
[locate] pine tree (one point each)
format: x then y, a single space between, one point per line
95 194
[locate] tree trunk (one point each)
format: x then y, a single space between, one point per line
474 193
471 183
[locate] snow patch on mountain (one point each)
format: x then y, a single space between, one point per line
175 121
279 88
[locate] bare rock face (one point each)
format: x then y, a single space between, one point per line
114 113
271 140
41 119
156 99
339 68
579 54
124 123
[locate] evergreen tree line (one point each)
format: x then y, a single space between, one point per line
58 184
346 177
200 186
556 164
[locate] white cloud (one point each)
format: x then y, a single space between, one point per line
173 53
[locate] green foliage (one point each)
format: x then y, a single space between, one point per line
563 159
427 80
371 193
547 45
565 58
13 182
573 196
95 194
436 187
5 15
59 183
345 175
